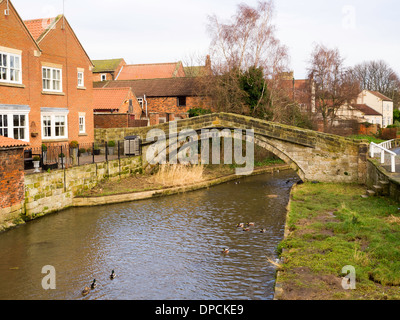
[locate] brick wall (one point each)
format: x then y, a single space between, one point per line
12 191
111 120
170 104
11 177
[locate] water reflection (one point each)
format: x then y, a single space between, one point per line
164 248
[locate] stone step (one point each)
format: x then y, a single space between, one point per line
371 193
378 190
385 187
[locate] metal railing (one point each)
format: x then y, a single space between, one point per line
62 156
380 148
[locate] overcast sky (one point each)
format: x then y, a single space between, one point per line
153 31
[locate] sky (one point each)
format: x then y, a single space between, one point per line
155 31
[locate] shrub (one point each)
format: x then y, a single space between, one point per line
111 143
74 144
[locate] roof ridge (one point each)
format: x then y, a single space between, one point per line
115 88
151 64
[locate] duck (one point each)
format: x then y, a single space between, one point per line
94 284
263 230
246 229
225 250
112 276
240 225
250 224
237 182
85 291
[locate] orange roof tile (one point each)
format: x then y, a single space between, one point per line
11 143
38 26
109 98
151 71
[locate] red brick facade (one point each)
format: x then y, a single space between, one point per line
12 191
56 49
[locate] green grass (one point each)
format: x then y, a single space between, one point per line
332 226
365 137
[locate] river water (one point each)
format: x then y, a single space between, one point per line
161 249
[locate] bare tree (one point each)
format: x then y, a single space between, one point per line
334 84
247 42
378 76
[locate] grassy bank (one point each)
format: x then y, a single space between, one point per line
330 226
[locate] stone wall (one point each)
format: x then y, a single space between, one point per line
378 176
49 192
314 155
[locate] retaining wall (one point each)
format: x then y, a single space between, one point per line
54 191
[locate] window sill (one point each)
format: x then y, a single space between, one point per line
53 93
14 85
81 88
82 135
55 140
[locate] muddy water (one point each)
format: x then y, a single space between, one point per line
165 248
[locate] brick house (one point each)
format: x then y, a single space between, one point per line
45 81
115 107
164 100
105 70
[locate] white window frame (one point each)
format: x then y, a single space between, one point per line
8 68
53 117
105 77
140 101
82 124
81 81
52 79
9 114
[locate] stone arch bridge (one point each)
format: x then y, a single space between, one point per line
315 156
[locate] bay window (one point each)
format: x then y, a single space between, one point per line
54 124
14 122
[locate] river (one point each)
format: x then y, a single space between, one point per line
161 249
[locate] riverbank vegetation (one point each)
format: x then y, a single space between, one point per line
331 226
168 176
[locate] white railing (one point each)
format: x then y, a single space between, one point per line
387 144
379 148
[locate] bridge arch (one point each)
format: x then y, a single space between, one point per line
314 155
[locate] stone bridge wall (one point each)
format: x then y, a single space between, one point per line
314 155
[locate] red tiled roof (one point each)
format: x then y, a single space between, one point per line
11 143
109 98
38 26
368 111
151 71
171 87
380 96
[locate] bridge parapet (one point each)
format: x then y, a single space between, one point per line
314 155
